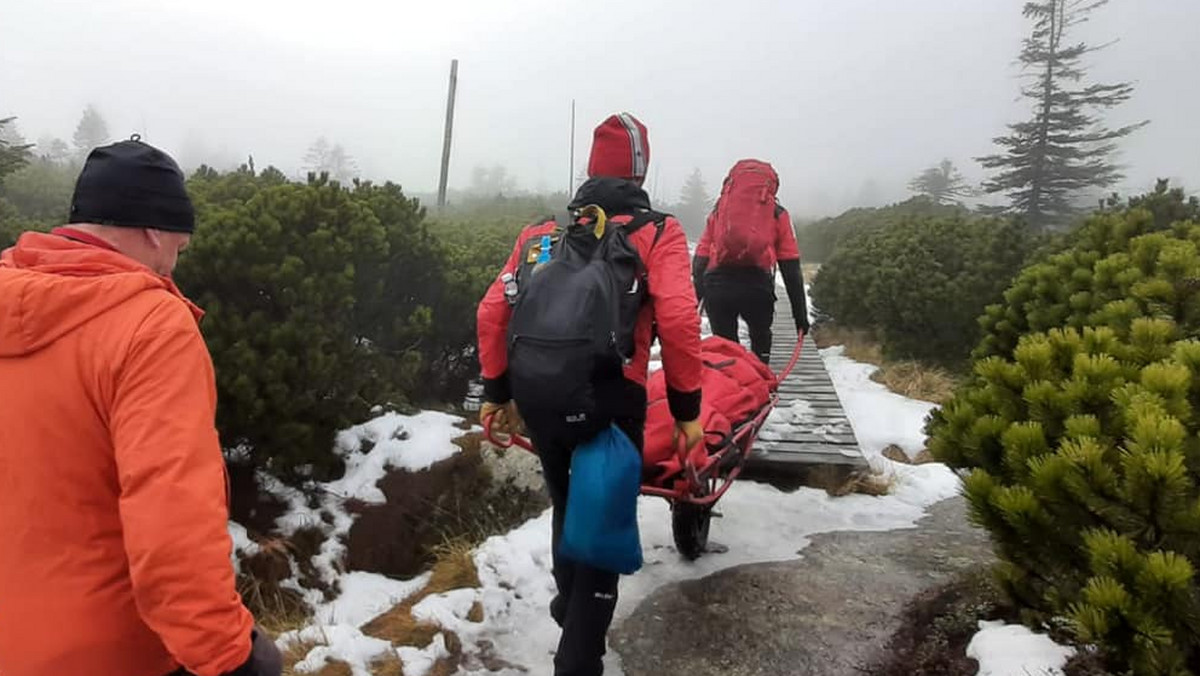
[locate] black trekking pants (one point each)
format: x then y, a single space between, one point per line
754 303
587 596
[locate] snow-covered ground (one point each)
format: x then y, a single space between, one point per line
395 442
759 524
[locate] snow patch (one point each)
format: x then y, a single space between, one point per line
1013 650
395 442
413 443
879 416
784 419
337 641
365 596
242 545
337 624
419 661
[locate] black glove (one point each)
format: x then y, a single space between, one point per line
264 659
699 266
793 280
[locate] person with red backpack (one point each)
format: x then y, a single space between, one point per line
564 343
748 235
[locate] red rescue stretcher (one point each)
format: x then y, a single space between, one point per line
739 394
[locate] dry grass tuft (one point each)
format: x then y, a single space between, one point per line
917 381
389 665
839 481
896 454
858 344
275 609
454 569
911 379
874 484
865 483
476 613
809 272
336 668
825 477
296 651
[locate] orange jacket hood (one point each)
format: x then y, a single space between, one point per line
51 285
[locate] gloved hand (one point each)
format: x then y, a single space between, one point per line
264 659
505 419
691 430
802 325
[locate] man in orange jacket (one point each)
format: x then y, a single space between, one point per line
115 555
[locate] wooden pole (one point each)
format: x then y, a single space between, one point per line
449 132
571 177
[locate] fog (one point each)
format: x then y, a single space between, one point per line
848 99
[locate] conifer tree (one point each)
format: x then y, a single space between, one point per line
942 183
1045 162
92 131
14 152
694 205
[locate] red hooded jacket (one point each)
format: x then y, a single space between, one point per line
670 305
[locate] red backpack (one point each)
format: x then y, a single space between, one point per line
744 227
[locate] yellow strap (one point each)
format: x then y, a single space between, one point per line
596 212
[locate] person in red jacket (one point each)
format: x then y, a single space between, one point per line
115 554
587 596
733 286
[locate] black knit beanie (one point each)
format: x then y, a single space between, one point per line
135 185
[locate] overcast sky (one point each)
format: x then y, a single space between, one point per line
835 94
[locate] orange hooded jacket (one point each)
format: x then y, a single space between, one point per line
114 552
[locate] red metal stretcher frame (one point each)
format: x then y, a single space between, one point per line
697 488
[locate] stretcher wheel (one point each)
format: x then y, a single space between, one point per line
689 525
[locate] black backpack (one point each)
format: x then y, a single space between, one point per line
573 321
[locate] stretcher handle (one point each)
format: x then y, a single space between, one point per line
787 370
504 440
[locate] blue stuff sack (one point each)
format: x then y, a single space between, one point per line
601 527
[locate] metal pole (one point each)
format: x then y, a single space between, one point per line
449 132
571 178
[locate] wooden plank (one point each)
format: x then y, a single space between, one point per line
812 439
824 435
807 447
802 394
817 398
823 413
818 405
811 385
811 455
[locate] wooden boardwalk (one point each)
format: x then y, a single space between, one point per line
809 433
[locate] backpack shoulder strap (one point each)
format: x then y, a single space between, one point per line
644 218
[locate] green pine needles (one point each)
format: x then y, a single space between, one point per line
1080 430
